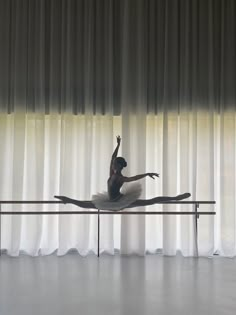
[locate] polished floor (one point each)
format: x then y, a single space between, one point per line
129 285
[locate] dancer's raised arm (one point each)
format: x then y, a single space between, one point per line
137 177
114 155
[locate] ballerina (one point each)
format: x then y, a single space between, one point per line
114 198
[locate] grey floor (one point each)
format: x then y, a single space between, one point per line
117 285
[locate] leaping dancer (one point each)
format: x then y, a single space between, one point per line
114 198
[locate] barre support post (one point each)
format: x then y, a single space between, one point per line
196 206
0 230
98 251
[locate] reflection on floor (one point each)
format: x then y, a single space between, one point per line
117 285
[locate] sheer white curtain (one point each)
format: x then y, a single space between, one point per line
44 155
76 73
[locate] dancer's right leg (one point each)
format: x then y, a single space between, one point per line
155 200
81 203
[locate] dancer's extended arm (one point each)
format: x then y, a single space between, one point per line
137 177
114 155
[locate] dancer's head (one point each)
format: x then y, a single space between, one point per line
119 163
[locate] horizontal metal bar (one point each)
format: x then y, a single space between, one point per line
105 212
30 202
60 202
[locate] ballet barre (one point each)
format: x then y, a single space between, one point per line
195 213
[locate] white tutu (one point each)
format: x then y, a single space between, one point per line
130 193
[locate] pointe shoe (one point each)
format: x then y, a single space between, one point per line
187 195
62 198
183 196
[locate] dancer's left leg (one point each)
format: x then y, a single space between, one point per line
81 203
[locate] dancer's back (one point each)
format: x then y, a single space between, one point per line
114 184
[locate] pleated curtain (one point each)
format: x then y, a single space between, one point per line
74 74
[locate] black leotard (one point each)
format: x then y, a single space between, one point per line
114 185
